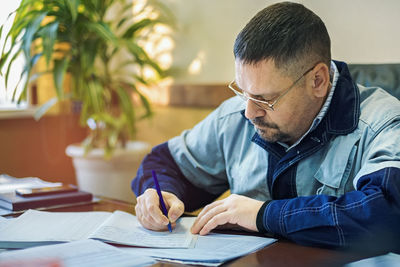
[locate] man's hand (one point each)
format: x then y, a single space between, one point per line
149 213
235 209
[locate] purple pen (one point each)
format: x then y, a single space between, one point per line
163 208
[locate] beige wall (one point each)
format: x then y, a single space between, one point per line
169 122
362 31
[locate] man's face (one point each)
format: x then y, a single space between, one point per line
294 111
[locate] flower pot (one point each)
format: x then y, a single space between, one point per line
108 177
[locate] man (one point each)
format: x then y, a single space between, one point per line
308 155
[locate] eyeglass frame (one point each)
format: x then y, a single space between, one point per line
259 103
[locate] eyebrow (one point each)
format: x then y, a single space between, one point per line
266 97
270 96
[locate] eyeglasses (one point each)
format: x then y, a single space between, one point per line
263 103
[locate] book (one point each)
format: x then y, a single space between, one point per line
14 202
35 228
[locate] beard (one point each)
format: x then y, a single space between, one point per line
270 131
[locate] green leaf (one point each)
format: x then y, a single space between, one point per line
155 66
9 66
30 31
127 108
142 57
44 108
24 71
21 21
72 6
136 51
103 31
87 144
141 80
138 26
122 21
48 35
59 70
146 105
94 97
3 60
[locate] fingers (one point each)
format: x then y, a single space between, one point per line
209 220
206 215
176 208
234 210
219 219
149 213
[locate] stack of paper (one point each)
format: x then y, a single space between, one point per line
86 253
35 228
9 184
211 250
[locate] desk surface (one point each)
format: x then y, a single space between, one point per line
281 253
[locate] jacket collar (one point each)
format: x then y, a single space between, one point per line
344 110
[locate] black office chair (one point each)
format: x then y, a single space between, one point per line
386 76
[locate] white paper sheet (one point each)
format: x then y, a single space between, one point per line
388 260
123 228
9 183
86 253
212 249
35 226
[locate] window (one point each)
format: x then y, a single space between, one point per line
6 93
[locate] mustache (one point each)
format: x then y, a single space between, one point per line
259 122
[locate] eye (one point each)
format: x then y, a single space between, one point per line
257 97
261 98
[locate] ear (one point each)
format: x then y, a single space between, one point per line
320 80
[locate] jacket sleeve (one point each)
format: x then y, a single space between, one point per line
170 178
369 214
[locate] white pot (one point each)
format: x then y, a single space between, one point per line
110 178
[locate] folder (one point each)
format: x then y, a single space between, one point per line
14 202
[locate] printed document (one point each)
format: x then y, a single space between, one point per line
211 250
39 228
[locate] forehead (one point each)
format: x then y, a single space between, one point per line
261 78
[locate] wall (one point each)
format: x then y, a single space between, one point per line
362 31
169 122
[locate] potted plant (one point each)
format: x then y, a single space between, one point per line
99 45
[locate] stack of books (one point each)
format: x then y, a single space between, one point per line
18 194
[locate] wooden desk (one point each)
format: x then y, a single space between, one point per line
281 253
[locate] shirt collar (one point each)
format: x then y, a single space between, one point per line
334 74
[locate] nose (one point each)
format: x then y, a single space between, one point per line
253 110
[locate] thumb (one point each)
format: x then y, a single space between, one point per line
176 209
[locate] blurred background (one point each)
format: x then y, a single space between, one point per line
198 55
